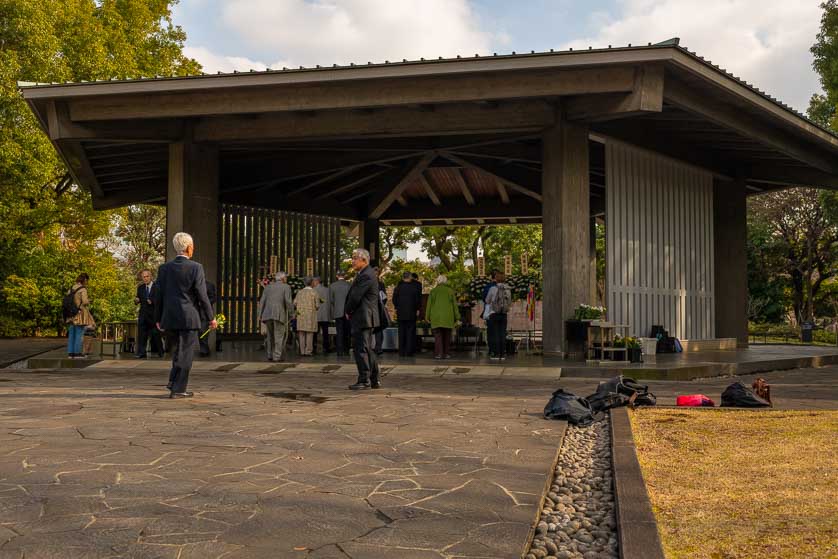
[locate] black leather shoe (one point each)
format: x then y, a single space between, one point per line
181 395
360 386
375 385
169 386
140 356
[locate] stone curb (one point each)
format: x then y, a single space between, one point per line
547 483
637 530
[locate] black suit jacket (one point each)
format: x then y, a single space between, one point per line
147 312
362 300
183 295
406 299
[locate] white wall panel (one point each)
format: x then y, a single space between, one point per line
659 243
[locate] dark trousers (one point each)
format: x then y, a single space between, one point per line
147 329
442 342
182 354
342 338
407 337
497 334
324 331
203 343
364 357
379 339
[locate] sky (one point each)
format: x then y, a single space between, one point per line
765 42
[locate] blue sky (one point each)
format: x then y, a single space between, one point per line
764 41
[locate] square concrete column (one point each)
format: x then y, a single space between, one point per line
371 239
565 190
192 203
730 232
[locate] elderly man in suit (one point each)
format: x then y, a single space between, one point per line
146 298
324 316
276 307
183 298
338 290
362 303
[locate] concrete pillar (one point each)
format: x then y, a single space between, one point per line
192 203
566 228
371 239
730 234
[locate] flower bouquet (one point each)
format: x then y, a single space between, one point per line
589 312
296 283
220 320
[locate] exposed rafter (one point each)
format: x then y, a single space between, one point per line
380 206
510 184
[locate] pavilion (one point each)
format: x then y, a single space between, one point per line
659 142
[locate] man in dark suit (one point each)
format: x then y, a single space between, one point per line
362 312
406 299
183 298
146 298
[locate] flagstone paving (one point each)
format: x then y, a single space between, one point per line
98 463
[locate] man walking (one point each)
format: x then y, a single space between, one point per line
146 298
324 311
406 300
362 311
338 291
275 309
183 291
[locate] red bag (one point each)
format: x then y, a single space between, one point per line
694 400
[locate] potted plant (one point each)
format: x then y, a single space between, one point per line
635 355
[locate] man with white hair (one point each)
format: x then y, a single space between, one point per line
276 307
362 311
183 297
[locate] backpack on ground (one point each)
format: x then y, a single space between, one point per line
503 299
737 395
694 400
69 309
621 391
569 407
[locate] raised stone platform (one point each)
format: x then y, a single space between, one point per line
244 356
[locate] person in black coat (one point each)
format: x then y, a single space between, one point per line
362 311
406 300
146 299
203 343
183 299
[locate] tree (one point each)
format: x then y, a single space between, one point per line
803 230
825 51
393 239
139 237
48 229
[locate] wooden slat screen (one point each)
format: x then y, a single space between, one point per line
249 237
659 243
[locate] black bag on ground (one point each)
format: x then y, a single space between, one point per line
569 407
737 395
69 309
620 391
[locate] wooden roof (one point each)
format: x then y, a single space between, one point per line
443 141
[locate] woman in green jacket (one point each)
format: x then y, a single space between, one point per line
443 313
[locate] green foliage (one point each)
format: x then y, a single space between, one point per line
139 237
48 229
825 51
427 274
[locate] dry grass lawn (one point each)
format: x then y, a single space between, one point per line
731 484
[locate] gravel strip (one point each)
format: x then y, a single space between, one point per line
577 520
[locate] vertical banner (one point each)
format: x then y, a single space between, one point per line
481 266
309 266
507 264
371 250
290 265
273 264
525 265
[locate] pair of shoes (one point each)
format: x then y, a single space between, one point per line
447 357
141 356
375 385
359 386
160 355
437 356
494 358
176 395
270 358
203 354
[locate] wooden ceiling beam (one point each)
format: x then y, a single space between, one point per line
461 182
735 119
489 208
354 94
512 185
504 196
429 190
332 192
645 97
385 200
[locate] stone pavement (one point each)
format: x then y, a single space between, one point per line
98 463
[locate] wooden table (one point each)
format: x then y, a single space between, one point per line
602 331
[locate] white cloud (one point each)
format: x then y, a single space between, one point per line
310 32
765 42
213 63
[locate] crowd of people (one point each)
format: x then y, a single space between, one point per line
180 304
